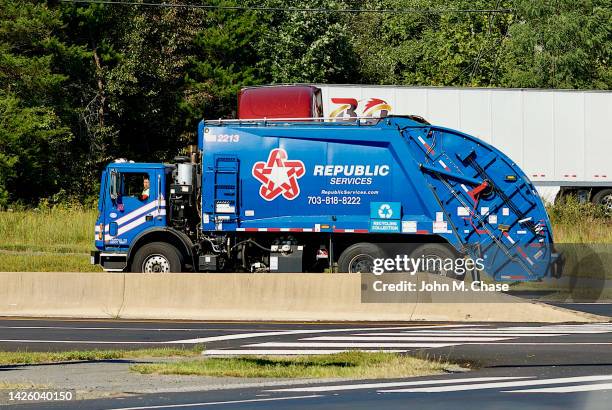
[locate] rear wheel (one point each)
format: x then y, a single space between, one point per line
604 198
157 257
434 257
359 258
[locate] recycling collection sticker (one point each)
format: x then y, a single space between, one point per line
385 216
385 210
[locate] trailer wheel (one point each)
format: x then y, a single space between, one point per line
359 258
437 253
157 257
604 198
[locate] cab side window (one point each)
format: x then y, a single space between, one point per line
135 184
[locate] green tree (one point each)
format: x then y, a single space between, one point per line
147 84
428 48
308 46
559 44
224 59
32 142
32 136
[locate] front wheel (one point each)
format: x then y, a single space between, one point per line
157 257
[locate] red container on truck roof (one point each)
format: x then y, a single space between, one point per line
280 101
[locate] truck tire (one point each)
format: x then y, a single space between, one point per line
157 257
604 198
359 258
437 251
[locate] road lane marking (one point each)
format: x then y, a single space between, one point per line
407 338
482 386
441 327
479 334
535 331
227 336
565 389
279 333
431 333
349 345
360 386
91 342
540 343
550 329
214 403
286 352
137 329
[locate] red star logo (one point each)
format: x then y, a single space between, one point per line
278 175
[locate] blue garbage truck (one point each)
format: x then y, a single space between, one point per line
307 195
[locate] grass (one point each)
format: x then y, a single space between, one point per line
573 222
58 230
354 365
582 231
30 262
25 357
47 240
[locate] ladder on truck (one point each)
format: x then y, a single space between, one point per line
226 191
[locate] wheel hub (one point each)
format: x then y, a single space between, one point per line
361 264
156 264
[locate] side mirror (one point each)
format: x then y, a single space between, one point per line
114 185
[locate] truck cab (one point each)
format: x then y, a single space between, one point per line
132 202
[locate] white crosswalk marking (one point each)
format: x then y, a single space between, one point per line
286 352
404 339
540 343
216 403
236 336
400 338
362 386
498 385
407 338
475 334
442 326
566 389
527 332
583 329
350 345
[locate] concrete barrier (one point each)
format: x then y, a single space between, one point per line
61 294
228 296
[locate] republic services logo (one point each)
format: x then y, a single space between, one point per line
278 176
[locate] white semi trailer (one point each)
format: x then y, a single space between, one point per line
561 138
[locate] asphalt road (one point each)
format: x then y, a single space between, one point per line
536 388
596 308
64 334
524 365
49 334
